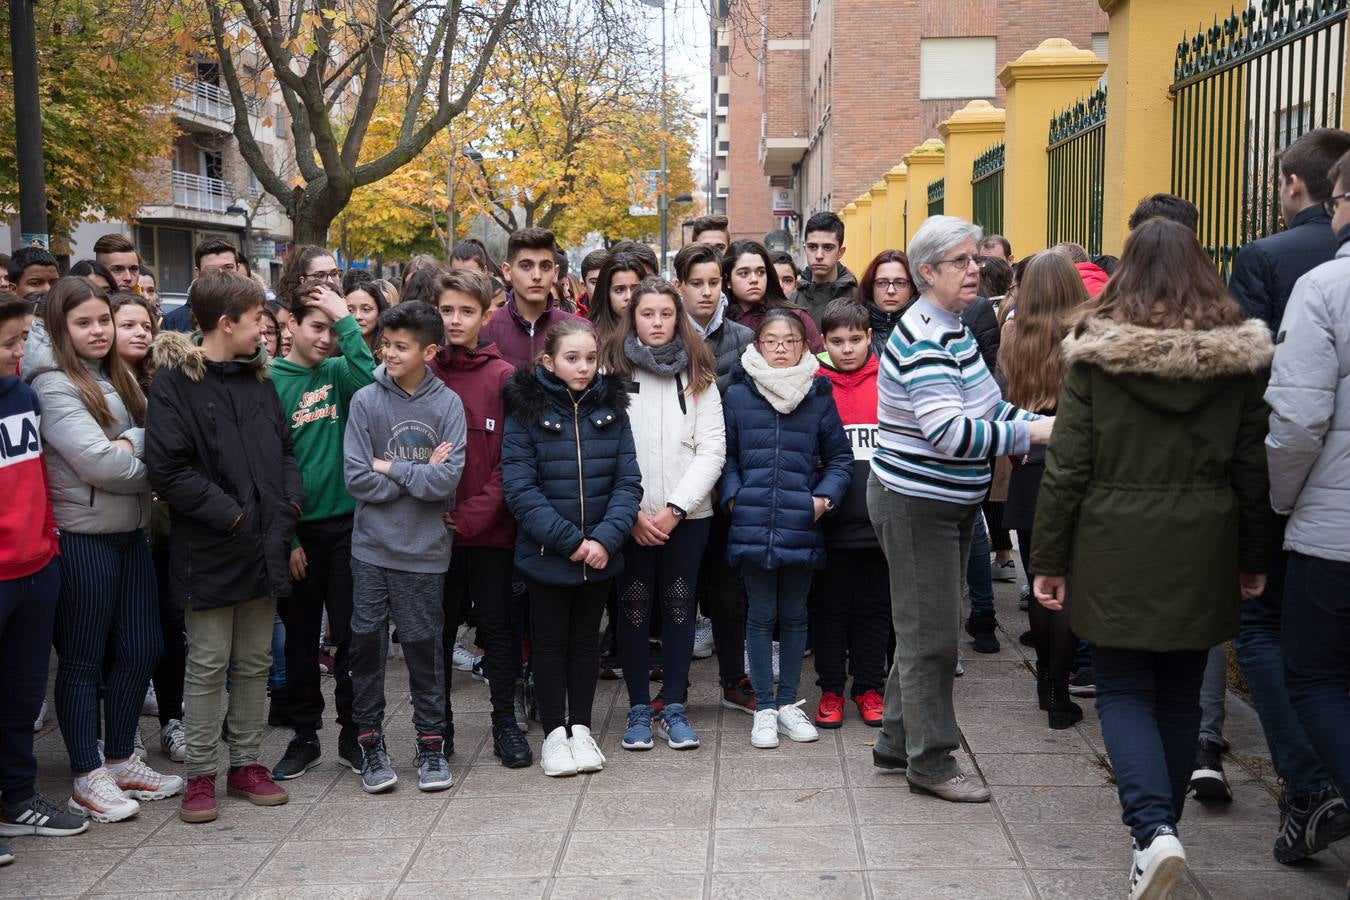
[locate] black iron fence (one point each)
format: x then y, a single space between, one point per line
986 188
1243 90
1076 155
937 191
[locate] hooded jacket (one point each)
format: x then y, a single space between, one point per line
1265 271
726 339
219 452
96 488
1154 495
1309 397
517 340
776 463
478 377
1094 277
855 397
316 402
815 296
28 538
570 470
398 522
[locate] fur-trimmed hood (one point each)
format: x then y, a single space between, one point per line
175 350
531 393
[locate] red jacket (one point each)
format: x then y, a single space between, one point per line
478 376
518 341
27 524
1094 277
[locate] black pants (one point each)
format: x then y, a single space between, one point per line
27 611
721 596
1316 661
565 649
1055 643
850 618
327 585
669 575
999 539
172 668
483 575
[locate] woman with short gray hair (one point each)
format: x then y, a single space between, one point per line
942 418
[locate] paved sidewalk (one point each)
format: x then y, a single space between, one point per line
726 820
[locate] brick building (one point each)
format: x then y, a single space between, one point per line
820 97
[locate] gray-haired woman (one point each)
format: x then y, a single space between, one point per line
942 420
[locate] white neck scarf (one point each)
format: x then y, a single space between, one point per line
783 388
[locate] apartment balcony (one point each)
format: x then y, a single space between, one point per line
202 106
200 192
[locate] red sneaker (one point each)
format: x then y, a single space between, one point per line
254 784
658 703
830 712
199 799
870 707
740 695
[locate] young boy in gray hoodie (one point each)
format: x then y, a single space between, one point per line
403 455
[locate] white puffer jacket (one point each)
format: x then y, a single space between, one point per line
680 451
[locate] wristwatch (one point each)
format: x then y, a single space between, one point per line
829 504
676 511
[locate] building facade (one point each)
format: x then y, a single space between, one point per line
815 99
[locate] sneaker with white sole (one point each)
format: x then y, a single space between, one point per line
1005 572
173 740
556 756
40 816
764 731
433 769
1158 866
585 751
703 638
150 705
637 734
96 796
673 726
462 659
377 771
793 722
140 782
41 718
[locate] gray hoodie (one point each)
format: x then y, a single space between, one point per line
398 521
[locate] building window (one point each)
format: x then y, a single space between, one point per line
1101 43
956 67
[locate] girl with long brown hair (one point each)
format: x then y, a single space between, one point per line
134 319
93 415
1032 364
676 412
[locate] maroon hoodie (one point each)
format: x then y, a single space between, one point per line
518 341
478 376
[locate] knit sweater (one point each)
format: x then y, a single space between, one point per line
941 416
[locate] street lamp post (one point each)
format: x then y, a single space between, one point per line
241 208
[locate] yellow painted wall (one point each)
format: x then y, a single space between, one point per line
849 215
881 215
967 133
924 164
862 233
897 183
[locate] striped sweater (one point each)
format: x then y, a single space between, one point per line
941 416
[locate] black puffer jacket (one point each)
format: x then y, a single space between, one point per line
1265 271
982 321
727 341
570 472
218 451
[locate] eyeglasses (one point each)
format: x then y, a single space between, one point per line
964 261
1334 201
886 285
784 344
330 275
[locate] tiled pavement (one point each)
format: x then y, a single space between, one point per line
726 820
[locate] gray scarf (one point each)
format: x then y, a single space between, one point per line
668 359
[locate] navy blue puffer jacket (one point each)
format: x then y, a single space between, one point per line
775 464
570 472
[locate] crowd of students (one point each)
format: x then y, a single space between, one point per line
208 500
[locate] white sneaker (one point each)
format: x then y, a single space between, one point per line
96 796
764 731
150 706
462 659
173 740
556 755
140 782
585 751
1158 867
703 638
794 723
42 717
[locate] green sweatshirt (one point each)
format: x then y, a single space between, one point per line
316 402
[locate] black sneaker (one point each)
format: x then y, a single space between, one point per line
377 772
1310 825
1083 683
1024 598
1208 781
1026 640
38 815
980 626
510 746
302 754
349 751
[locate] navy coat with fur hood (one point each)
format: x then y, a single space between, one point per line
570 472
775 464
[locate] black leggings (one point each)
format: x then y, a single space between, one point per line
721 596
1054 640
668 573
172 668
565 649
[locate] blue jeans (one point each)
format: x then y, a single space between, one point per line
979 575
1316 661
276 675
776 595
1261 657
1149 704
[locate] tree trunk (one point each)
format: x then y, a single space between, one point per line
319 206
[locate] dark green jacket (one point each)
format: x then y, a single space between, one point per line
1155 494
815 297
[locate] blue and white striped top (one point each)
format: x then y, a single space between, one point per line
941 415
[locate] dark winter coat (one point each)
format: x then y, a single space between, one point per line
815 296
776 463
855 397
570 471
1155 495
517 340
1265 271
882 324
982 321
727 343
218 450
